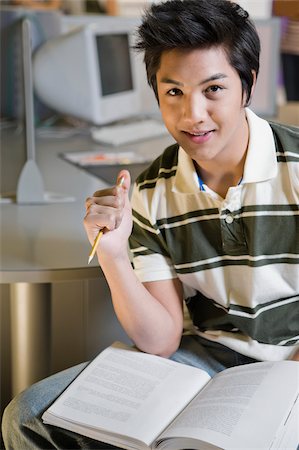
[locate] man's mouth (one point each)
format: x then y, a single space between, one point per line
198 133
199 136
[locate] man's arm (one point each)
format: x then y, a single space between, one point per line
295 357
150 313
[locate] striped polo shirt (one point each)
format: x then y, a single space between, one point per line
236 257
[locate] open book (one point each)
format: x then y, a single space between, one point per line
133 400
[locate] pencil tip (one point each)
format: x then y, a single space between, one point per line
89 259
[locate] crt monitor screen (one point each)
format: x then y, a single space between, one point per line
115 74
90 73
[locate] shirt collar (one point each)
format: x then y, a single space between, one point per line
186 180
260 164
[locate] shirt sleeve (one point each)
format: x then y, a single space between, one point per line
149 250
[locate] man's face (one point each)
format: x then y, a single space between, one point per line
201 102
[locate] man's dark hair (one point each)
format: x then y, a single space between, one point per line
192 24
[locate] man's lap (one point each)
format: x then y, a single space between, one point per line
22 424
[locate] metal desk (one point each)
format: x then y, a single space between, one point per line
42 244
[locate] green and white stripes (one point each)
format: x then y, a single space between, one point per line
240 254
271 323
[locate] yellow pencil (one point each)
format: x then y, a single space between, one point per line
101 232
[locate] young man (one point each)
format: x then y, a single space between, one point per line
214 216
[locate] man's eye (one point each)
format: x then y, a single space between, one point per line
214 88
174 91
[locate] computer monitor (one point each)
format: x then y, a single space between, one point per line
90 72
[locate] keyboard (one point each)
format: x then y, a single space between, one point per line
129 132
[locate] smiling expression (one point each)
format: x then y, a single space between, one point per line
202 104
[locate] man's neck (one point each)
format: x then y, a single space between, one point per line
220 174
221 182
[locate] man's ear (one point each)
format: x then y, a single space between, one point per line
253 84
245 102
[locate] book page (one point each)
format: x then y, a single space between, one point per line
242 407
127 392
287 436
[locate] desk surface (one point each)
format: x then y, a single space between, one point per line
46 243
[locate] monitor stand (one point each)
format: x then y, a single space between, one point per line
30 187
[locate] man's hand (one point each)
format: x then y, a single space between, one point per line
295 357
109 209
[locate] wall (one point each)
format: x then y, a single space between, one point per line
261 9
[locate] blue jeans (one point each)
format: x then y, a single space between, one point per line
22 425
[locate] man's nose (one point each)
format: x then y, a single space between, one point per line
195 108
